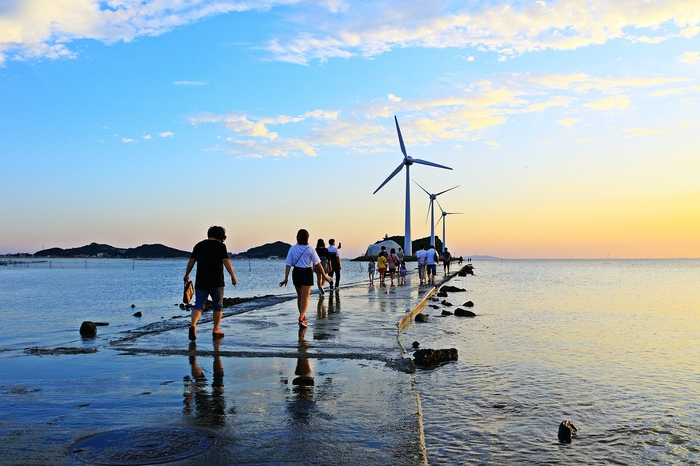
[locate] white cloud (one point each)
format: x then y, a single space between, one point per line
167 134
127 140
148 136
568 121
41 28
493 144
690 57
609 104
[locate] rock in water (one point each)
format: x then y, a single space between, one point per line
464 313
451 289
421 318
468 304
137 314
446 313
416 344
430 357
88 329
442 294
566 430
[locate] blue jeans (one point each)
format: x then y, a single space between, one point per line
217 297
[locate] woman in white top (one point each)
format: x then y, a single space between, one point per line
303 258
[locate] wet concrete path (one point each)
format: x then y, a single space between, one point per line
339 392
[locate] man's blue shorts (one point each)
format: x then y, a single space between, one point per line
432 269
217 297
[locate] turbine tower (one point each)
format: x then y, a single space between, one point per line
431 210
442 219
407 162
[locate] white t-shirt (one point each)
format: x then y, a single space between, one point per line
432 256
303 256
421 256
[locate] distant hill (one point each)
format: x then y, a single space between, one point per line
146 251
278 248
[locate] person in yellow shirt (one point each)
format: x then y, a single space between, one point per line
382 261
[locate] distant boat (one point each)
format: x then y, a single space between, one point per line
273 258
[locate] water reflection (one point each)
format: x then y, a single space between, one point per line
208 407
321 308
334 302
302 404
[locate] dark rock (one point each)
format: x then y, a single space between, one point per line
566 430
468 304
421 318
133 306
466 270
446 303
102 324
303 381
441 294
430 357
415 344
182 306
464 313
88 329
138 314
451 289
434 306
446 313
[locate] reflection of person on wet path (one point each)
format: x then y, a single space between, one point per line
322 252
211 257
209 409
335 263
302 257
302 406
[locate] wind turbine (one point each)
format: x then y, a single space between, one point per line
431 210
442 219
407 162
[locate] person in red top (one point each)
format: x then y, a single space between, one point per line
211 257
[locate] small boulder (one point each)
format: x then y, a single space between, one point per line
101 324
415 344
442 294
464 313
446 312
138 314
430 357
88 329
133 306
421 318
566 430
468 304
446 303
451 289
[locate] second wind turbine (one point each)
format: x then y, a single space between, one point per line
407 162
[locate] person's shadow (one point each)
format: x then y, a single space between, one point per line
209 409
333 303
302 405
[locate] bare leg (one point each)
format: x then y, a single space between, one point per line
195 318
303 293
217 321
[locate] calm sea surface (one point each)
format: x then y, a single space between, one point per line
612 345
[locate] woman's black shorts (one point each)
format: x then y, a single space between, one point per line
303 276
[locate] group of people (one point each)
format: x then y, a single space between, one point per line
211 258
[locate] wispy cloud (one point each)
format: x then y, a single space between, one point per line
690 57
463 113
127 140
167 134
636 132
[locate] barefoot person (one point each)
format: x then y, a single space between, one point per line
303 258
211 257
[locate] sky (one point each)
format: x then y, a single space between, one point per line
571 126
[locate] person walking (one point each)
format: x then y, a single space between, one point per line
421 257
303 258
381 264
446 258
393 264
432 259
335 266
322 252
370 271
211 257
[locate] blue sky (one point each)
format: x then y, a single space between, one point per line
571 126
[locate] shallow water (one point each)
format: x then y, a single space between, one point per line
610 345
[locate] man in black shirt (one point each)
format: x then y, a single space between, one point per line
211 257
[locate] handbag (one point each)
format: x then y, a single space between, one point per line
188 292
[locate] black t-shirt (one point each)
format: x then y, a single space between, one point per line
209 255
322 253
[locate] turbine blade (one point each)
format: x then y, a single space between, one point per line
442 192
439 220
432 164
398 130
428 214
441 209
421 187
393 174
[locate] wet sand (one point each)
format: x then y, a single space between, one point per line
339 392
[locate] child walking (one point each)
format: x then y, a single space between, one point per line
370 271
403 271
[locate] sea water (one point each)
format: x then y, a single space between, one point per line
612 345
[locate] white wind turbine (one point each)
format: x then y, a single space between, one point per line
442 219
431 210
407 162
